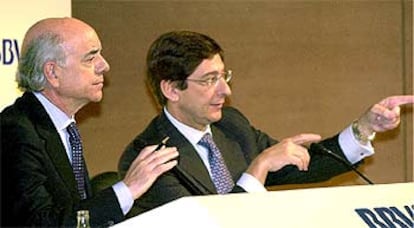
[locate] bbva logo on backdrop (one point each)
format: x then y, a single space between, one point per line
9 51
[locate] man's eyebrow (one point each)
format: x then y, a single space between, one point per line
92 52
214 72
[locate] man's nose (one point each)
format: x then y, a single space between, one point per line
103 65
223 87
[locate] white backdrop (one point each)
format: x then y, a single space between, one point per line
16 16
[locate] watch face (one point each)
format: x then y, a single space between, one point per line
359 136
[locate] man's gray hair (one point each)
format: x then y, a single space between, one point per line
44 48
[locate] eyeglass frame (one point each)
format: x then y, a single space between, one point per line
226 75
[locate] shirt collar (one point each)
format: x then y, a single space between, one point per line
59 118
192 134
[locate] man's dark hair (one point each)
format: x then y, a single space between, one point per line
174 56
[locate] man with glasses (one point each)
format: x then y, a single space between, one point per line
220 152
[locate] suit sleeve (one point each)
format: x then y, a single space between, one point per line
253 142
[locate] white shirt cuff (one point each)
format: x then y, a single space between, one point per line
353 149
125 199
250 184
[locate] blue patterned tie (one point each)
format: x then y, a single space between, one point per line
77 158
221 176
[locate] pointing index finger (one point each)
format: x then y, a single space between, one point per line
305 138
394 101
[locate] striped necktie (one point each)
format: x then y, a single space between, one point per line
220 174
77 159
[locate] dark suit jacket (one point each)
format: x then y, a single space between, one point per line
38 187
238 141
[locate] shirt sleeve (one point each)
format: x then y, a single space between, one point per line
354 151
124 196
250 184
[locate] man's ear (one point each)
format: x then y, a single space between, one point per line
170 90
50 72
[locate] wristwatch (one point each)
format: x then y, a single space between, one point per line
363 138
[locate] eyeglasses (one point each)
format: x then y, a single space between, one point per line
213 78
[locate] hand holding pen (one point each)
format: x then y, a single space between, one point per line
148 166
163 143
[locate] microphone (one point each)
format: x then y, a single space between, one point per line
193 185
319 148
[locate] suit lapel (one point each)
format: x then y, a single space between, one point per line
189 160
57 153
52 142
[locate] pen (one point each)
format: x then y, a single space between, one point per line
163 142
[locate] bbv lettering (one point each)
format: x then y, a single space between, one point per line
9 51
387 217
